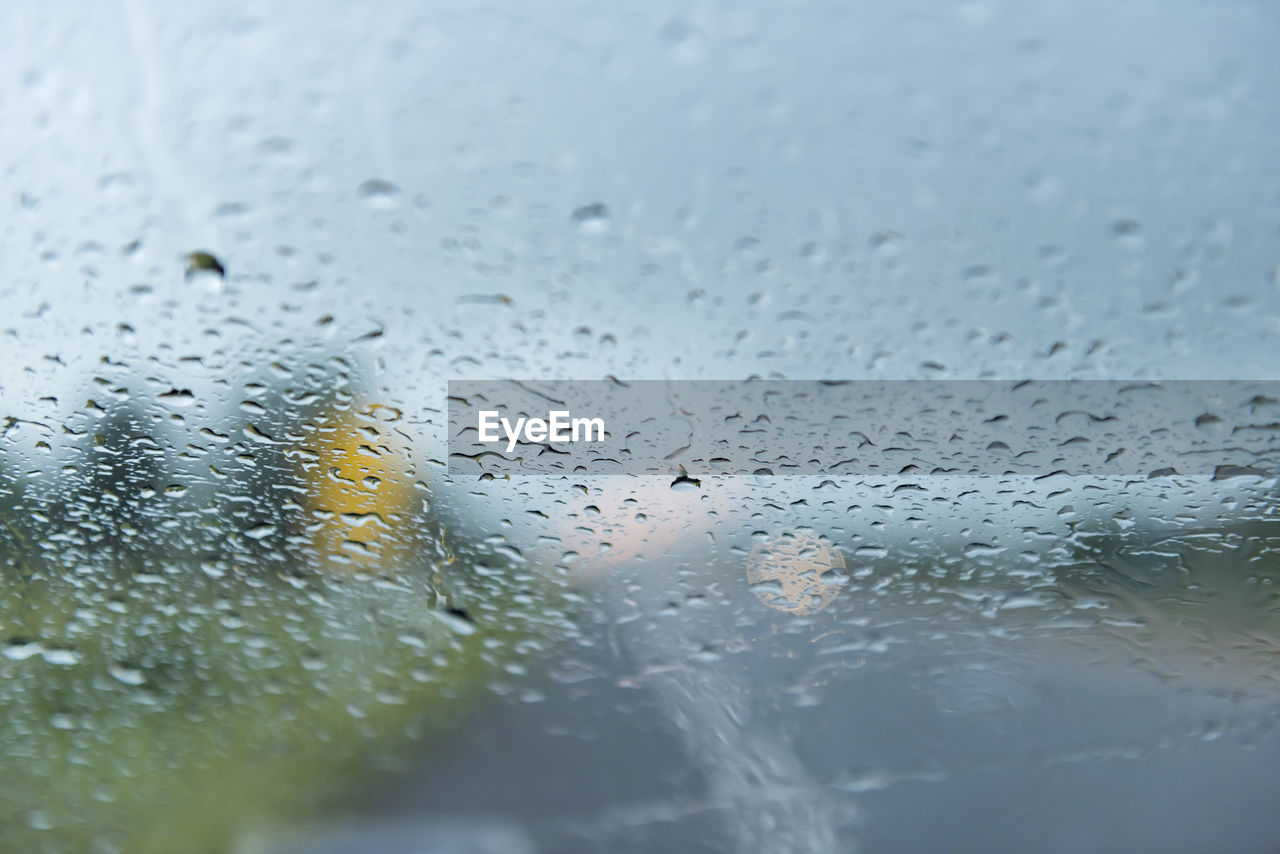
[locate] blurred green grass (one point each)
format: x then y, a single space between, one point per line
158 704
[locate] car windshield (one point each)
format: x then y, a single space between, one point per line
889 446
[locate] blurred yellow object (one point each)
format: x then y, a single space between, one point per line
359 477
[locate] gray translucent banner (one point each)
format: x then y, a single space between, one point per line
886 427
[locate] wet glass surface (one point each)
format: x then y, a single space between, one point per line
246 607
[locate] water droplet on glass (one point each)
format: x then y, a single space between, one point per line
592 218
